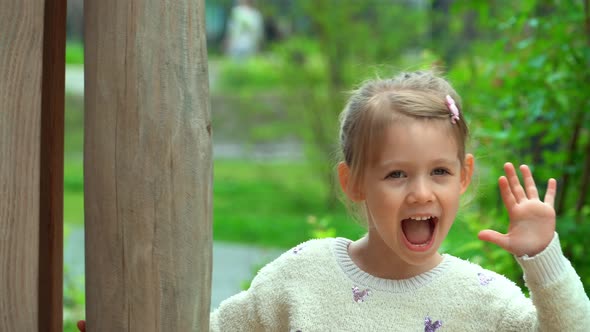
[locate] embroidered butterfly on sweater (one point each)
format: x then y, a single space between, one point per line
358 295
484 279
430 326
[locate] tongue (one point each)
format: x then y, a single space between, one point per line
416 231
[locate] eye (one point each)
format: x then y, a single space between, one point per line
396 175
440 171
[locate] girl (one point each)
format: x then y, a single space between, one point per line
405 167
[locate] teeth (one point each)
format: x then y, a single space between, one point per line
421 218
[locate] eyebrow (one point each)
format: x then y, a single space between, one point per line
438 161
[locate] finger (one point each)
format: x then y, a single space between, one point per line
502 240
529 182
81 326
506 193
514 182
551 192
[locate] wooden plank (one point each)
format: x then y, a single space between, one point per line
21 45
147 166
51 168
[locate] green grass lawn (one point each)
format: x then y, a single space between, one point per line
278 204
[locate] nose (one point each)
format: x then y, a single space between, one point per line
420 191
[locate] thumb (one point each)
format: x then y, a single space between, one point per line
497 238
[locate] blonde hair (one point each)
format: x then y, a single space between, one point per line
378 103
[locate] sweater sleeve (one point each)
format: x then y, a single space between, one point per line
557 294
237 313
260 308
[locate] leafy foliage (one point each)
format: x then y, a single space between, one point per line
525 85
521 67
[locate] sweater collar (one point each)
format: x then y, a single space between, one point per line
352 271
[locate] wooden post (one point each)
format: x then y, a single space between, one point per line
52 168
21 51
147 166
32 44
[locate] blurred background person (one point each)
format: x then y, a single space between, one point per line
245 30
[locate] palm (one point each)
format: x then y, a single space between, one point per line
532 221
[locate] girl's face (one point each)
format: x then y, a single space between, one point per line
412 191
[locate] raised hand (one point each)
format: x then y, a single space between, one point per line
532 221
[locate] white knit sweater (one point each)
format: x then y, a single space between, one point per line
317 287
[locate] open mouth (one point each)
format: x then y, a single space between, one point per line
419 231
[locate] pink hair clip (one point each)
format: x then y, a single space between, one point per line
453 109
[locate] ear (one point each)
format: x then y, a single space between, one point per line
344 176
467 172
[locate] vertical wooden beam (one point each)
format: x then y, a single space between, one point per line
51 168
147 166
21 52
